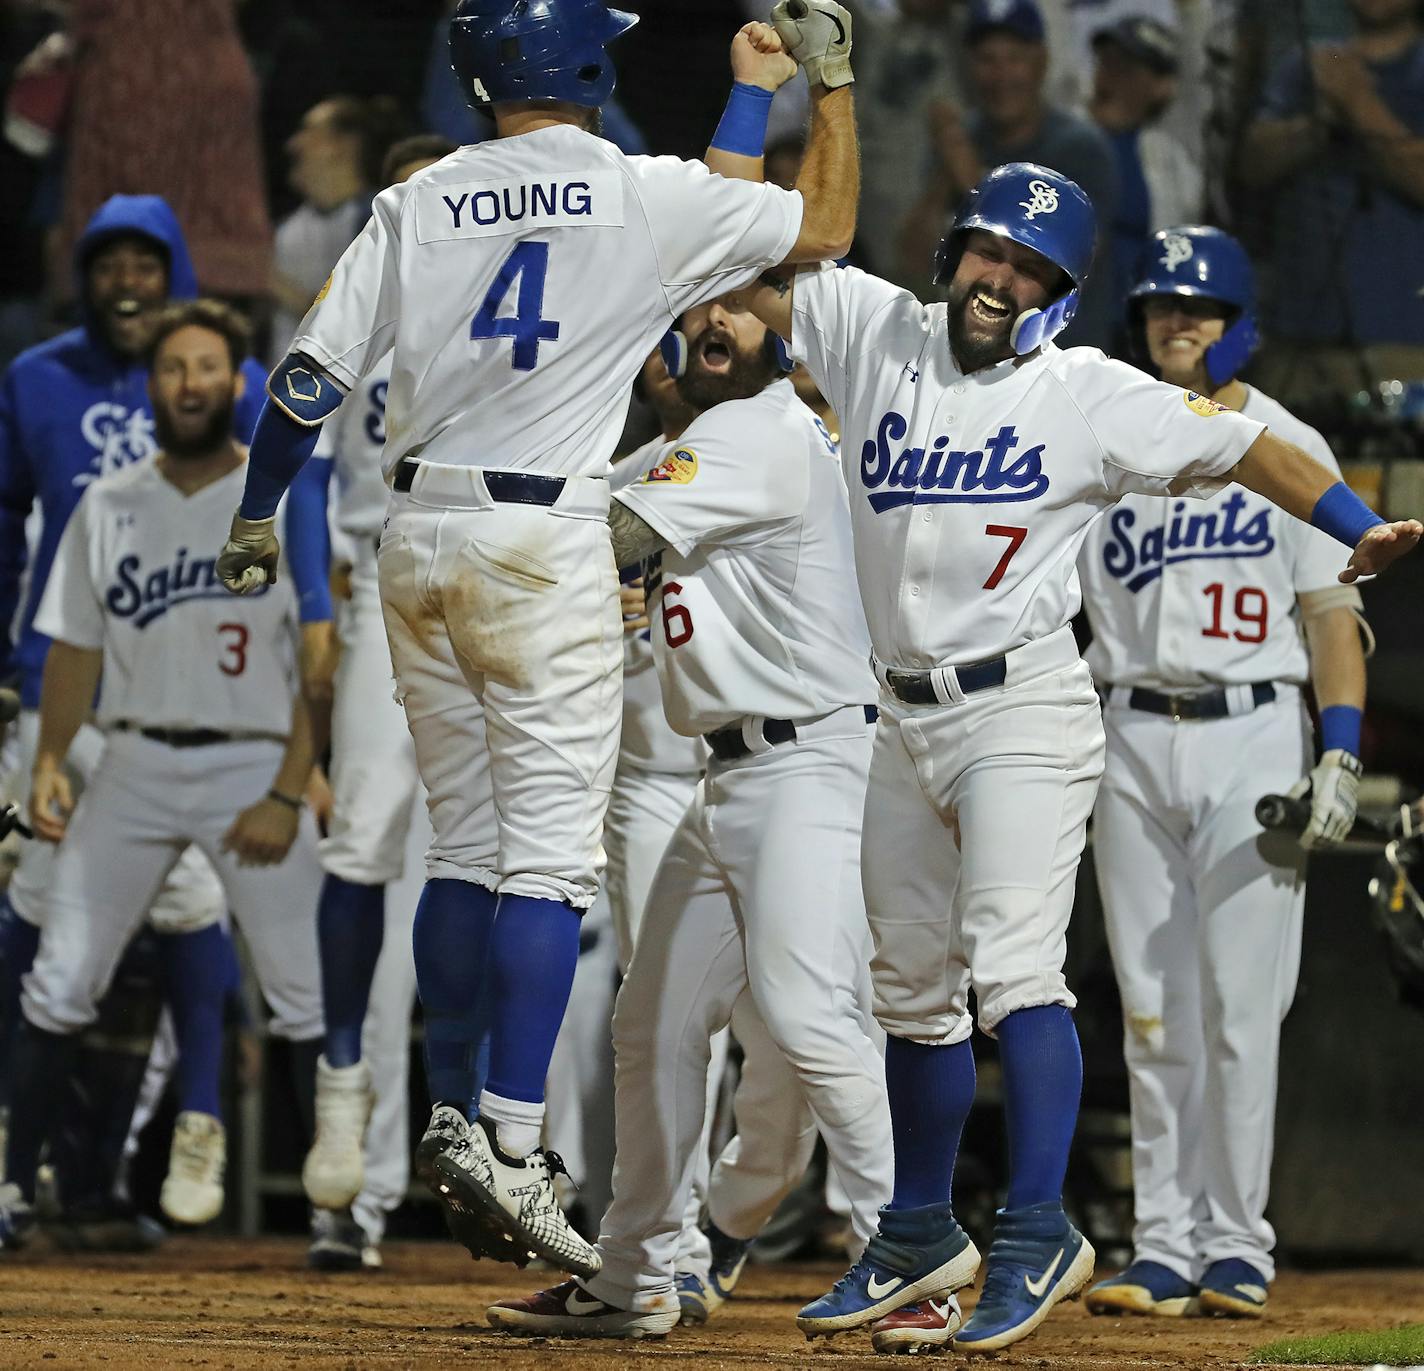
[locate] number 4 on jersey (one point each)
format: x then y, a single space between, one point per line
529 265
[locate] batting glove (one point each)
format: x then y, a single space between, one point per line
248 560
1333 788
817 35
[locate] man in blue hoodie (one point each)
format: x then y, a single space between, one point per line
71 410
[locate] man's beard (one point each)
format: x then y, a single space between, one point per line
748 374
208 440
980 350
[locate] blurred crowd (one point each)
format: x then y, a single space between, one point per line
1299 124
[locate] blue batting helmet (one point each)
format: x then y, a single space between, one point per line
1195 259
1039 209
535 50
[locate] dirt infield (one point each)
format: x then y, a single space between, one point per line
224 1303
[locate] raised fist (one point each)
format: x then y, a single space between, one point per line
817 33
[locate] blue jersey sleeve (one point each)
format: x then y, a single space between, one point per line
309 540
17 497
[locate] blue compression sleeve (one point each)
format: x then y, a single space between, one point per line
308 542
280 448
1340 728
743 127
1343 515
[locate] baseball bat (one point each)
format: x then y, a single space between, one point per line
1281 813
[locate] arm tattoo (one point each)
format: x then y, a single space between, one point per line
634 539
778 283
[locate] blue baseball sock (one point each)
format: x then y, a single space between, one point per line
931 1092
533 954
19 941
350 927
197 970
1043 1083
452 936
41 1068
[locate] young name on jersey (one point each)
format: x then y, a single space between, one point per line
1136 558
988 475
485 209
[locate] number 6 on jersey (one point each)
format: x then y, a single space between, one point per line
529 265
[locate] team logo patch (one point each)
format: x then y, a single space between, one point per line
677 468
322 293
1043 199
1199 404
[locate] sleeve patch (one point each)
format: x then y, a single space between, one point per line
677 468
1199 404
323 292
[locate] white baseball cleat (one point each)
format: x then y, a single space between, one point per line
193 1189
515 1196
334 1171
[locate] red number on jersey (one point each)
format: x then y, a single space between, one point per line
1251 607
677 622
1016 537
234 660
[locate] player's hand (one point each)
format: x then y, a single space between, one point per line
262 834
51 801
1333 790
320 652
634 604
759 58
320 800
817 34
248 560
1381 545
1341 76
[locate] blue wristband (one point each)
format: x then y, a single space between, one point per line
1340 727
1343 515
743 127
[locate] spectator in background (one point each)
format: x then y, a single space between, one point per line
165 103
1012 122
335 158
1339 146
1159 184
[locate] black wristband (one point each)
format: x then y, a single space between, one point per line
292 802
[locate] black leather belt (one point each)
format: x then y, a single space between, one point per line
727 744
506 487
1196 704
177 737
917 687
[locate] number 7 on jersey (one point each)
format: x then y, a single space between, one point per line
1016 536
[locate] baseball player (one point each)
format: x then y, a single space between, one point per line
521 282
1208 619
73 409
203 743
362 931
977 455
757 901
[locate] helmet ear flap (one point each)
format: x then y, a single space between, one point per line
777 353
673 348
1226 358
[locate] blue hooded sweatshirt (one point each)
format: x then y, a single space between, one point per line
72 410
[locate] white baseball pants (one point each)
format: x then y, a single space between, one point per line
506 636
189 899
146 802
1204 913
757 897
975 820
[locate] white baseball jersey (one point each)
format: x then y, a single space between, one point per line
971 494
755 607
1205 593
353 438
134 577
522 282
647 741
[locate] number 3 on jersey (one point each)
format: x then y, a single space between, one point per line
529 265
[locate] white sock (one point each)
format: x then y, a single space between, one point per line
518 1124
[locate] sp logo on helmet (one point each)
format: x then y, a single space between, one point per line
1176 249
1043 199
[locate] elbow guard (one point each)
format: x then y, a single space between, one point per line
303 391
